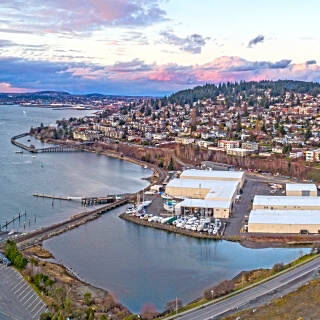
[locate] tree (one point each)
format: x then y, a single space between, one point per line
103 317
149 311
173 305
87 298
278 267
238 128
90 314
171 165
45 316
315 247
308 134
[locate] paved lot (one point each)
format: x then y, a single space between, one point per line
17 299
254 185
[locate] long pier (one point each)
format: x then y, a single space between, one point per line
84 200
61 148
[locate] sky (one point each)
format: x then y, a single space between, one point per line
154 47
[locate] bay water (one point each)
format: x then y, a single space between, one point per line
138 265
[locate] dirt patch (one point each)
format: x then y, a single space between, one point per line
39 252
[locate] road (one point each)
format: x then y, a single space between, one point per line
216 310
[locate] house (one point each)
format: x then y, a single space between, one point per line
228 144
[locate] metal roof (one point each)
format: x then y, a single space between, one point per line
300 201
216 188
213 174
300 186
206 204
303 217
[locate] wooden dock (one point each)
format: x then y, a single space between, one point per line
53 197
84 200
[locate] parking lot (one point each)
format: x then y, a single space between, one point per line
254 185
17 299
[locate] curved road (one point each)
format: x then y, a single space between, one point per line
213 311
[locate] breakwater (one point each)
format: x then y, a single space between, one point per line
37 236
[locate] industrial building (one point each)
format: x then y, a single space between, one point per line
301 189
207 192
286 214
286 203
214 175
284 221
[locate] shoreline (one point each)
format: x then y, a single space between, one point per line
246 240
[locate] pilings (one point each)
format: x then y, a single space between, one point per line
13 220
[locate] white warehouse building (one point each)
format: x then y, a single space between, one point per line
285 214
301 189
208 192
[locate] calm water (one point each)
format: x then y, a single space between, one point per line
137 264
66 174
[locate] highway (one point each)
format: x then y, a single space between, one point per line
215 310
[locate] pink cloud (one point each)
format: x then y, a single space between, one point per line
7 88
222 69
74 17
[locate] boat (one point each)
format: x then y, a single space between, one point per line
11 232
145 167
169 206
34 156
200 227
131 210
165 196
19 151
42 165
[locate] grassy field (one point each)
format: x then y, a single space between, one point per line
303 303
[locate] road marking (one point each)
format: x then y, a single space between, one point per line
17 284
26 295
29 298
24 291
40 310
36 306
19 288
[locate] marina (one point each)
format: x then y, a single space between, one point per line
139 264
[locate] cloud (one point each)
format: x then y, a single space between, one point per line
7 88
136 77
77 16
192 43
6 43
255 41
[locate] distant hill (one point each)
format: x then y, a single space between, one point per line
61 95
246 91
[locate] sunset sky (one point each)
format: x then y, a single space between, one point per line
154 47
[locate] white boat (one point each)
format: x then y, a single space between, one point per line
34 156
166 196
131 210
188 226
194 227
215 230
146 203
200 227
169 205
11 232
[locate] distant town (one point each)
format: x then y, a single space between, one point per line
255 120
